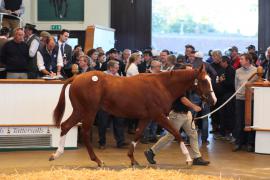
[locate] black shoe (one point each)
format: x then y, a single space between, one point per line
236 148
150 156
200 162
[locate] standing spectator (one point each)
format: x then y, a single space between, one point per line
104 117
126 55
217 57
235 59
12 7
132 66
15 56
188 50
210 58
150 132
226 83
44 36
163 59
47 60
65 52
32 41
251 49
241 76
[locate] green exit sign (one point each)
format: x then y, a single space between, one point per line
56 27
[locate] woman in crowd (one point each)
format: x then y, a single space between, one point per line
132 66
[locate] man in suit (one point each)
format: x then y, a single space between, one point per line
65 52
4 35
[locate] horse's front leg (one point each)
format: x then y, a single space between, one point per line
141 126
164 122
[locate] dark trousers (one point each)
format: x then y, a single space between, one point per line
241 136
227 115
118 127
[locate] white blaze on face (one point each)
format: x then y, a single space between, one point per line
211 89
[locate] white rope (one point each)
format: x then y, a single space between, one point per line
221 106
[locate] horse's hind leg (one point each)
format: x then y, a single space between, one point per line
141 126
163 121
65 127
86 125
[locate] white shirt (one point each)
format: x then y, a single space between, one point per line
40 61
33 47
132 70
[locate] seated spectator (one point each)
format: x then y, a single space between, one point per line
126 55
76 53
84 64
113 55
15 56
132 66
14 8
155 66
164 59
48 61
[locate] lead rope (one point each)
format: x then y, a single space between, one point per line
228 100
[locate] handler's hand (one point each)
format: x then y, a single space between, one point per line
197 108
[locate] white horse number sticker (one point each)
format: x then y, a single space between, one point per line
94 78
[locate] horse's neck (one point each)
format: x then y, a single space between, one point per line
178 82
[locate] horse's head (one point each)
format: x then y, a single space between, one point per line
203 86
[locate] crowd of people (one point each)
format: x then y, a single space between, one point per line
25 54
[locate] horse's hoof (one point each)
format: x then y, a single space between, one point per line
135 164
52 158
101 164
189 164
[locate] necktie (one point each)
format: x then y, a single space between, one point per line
62 49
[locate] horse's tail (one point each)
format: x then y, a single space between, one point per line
60 107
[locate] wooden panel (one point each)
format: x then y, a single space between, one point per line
132 21
89 38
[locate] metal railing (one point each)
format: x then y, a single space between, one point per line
11 15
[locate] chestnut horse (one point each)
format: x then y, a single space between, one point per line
144 97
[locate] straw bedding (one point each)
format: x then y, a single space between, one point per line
102 174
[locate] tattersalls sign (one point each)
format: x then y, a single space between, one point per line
23 130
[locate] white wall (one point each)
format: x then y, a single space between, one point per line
97 12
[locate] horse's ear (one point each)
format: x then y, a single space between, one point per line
202 68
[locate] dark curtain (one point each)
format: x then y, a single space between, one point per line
264 25
132 20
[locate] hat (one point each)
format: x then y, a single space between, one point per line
45 34
199 54
30 26
113 50
251 47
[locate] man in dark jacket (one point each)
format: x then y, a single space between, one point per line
15 56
